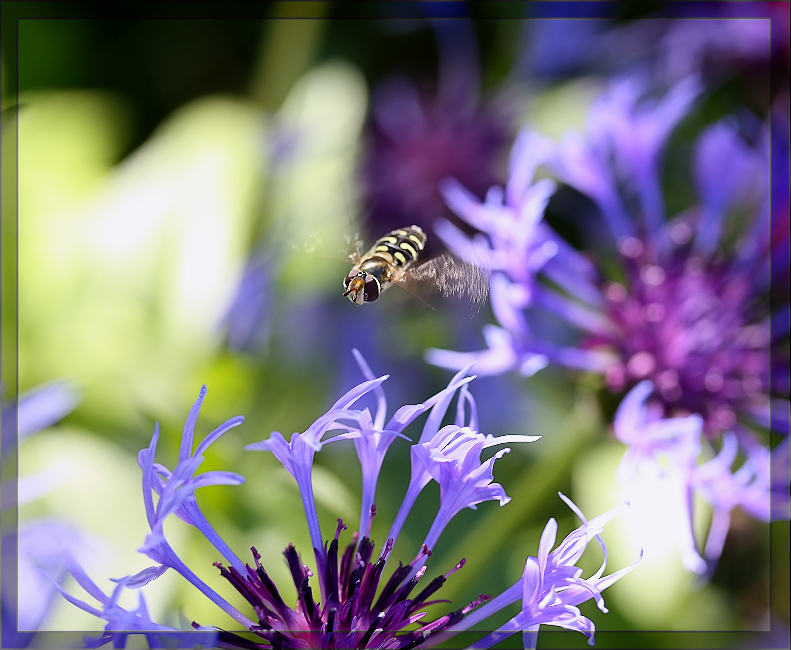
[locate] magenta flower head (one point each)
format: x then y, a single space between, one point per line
415 141
680 304
416 137
687 308
354 604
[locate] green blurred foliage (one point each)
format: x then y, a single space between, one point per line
125 270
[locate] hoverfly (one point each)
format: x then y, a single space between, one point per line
393 259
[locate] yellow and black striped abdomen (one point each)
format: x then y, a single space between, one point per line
404 245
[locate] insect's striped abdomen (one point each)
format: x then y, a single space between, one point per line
404 244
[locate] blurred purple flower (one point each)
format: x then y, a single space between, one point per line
415 140
348 612
562 47
249 319
665 453
44 545
36 410
727 38
518 245
37 544
684 308
652 439
780 473
418 137
672 451
45 405
683 304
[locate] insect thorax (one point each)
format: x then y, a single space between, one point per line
378 266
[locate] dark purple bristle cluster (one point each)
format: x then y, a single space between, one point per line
351 614
694 328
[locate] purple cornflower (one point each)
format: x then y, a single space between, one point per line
416 138
682 303
684 309
416 141
350 615
353 607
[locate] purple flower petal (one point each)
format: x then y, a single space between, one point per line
44 406
551 586
145 576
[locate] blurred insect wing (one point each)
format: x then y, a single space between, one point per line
450 277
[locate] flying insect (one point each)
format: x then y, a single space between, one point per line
394 259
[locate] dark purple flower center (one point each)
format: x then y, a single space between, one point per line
352 615
694 327
406 160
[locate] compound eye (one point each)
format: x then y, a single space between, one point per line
371 289
348 278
